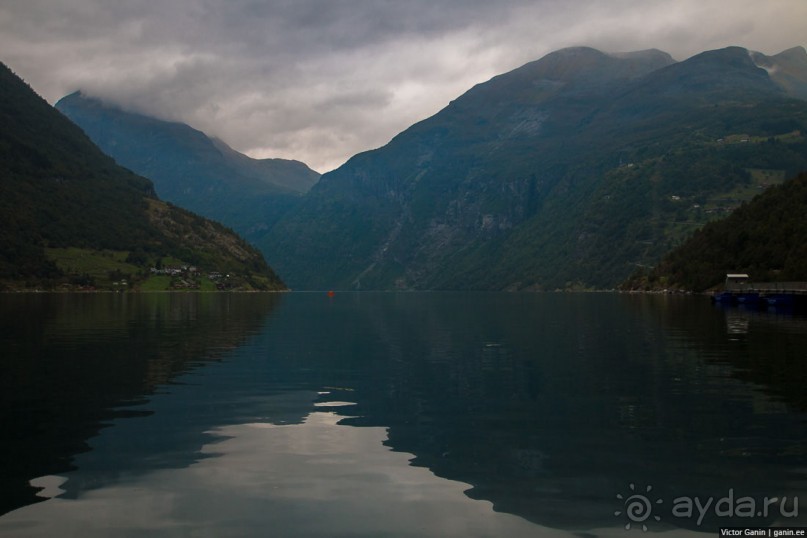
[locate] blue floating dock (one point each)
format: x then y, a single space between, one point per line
740 290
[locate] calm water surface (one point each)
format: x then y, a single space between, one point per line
384 414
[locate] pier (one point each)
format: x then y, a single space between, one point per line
739 289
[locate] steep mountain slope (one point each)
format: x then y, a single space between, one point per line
766 238
191 170
571 170
60 194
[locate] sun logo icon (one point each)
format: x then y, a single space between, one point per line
637 507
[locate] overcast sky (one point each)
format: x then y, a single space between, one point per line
321 80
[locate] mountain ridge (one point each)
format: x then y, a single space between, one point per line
192 170
788 69
69 104
500 189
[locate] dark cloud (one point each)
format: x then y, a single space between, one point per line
320 80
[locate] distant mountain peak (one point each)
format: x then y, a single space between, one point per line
569 63
647 54
732 55
84 99
146 137
583 68
788 70
193 170
798 54
575 62
578 51
710 77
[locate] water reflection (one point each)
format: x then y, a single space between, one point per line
71 364
546 406
321 480
551 405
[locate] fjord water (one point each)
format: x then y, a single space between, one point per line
396 414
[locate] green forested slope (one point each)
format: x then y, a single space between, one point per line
766 238
59 191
